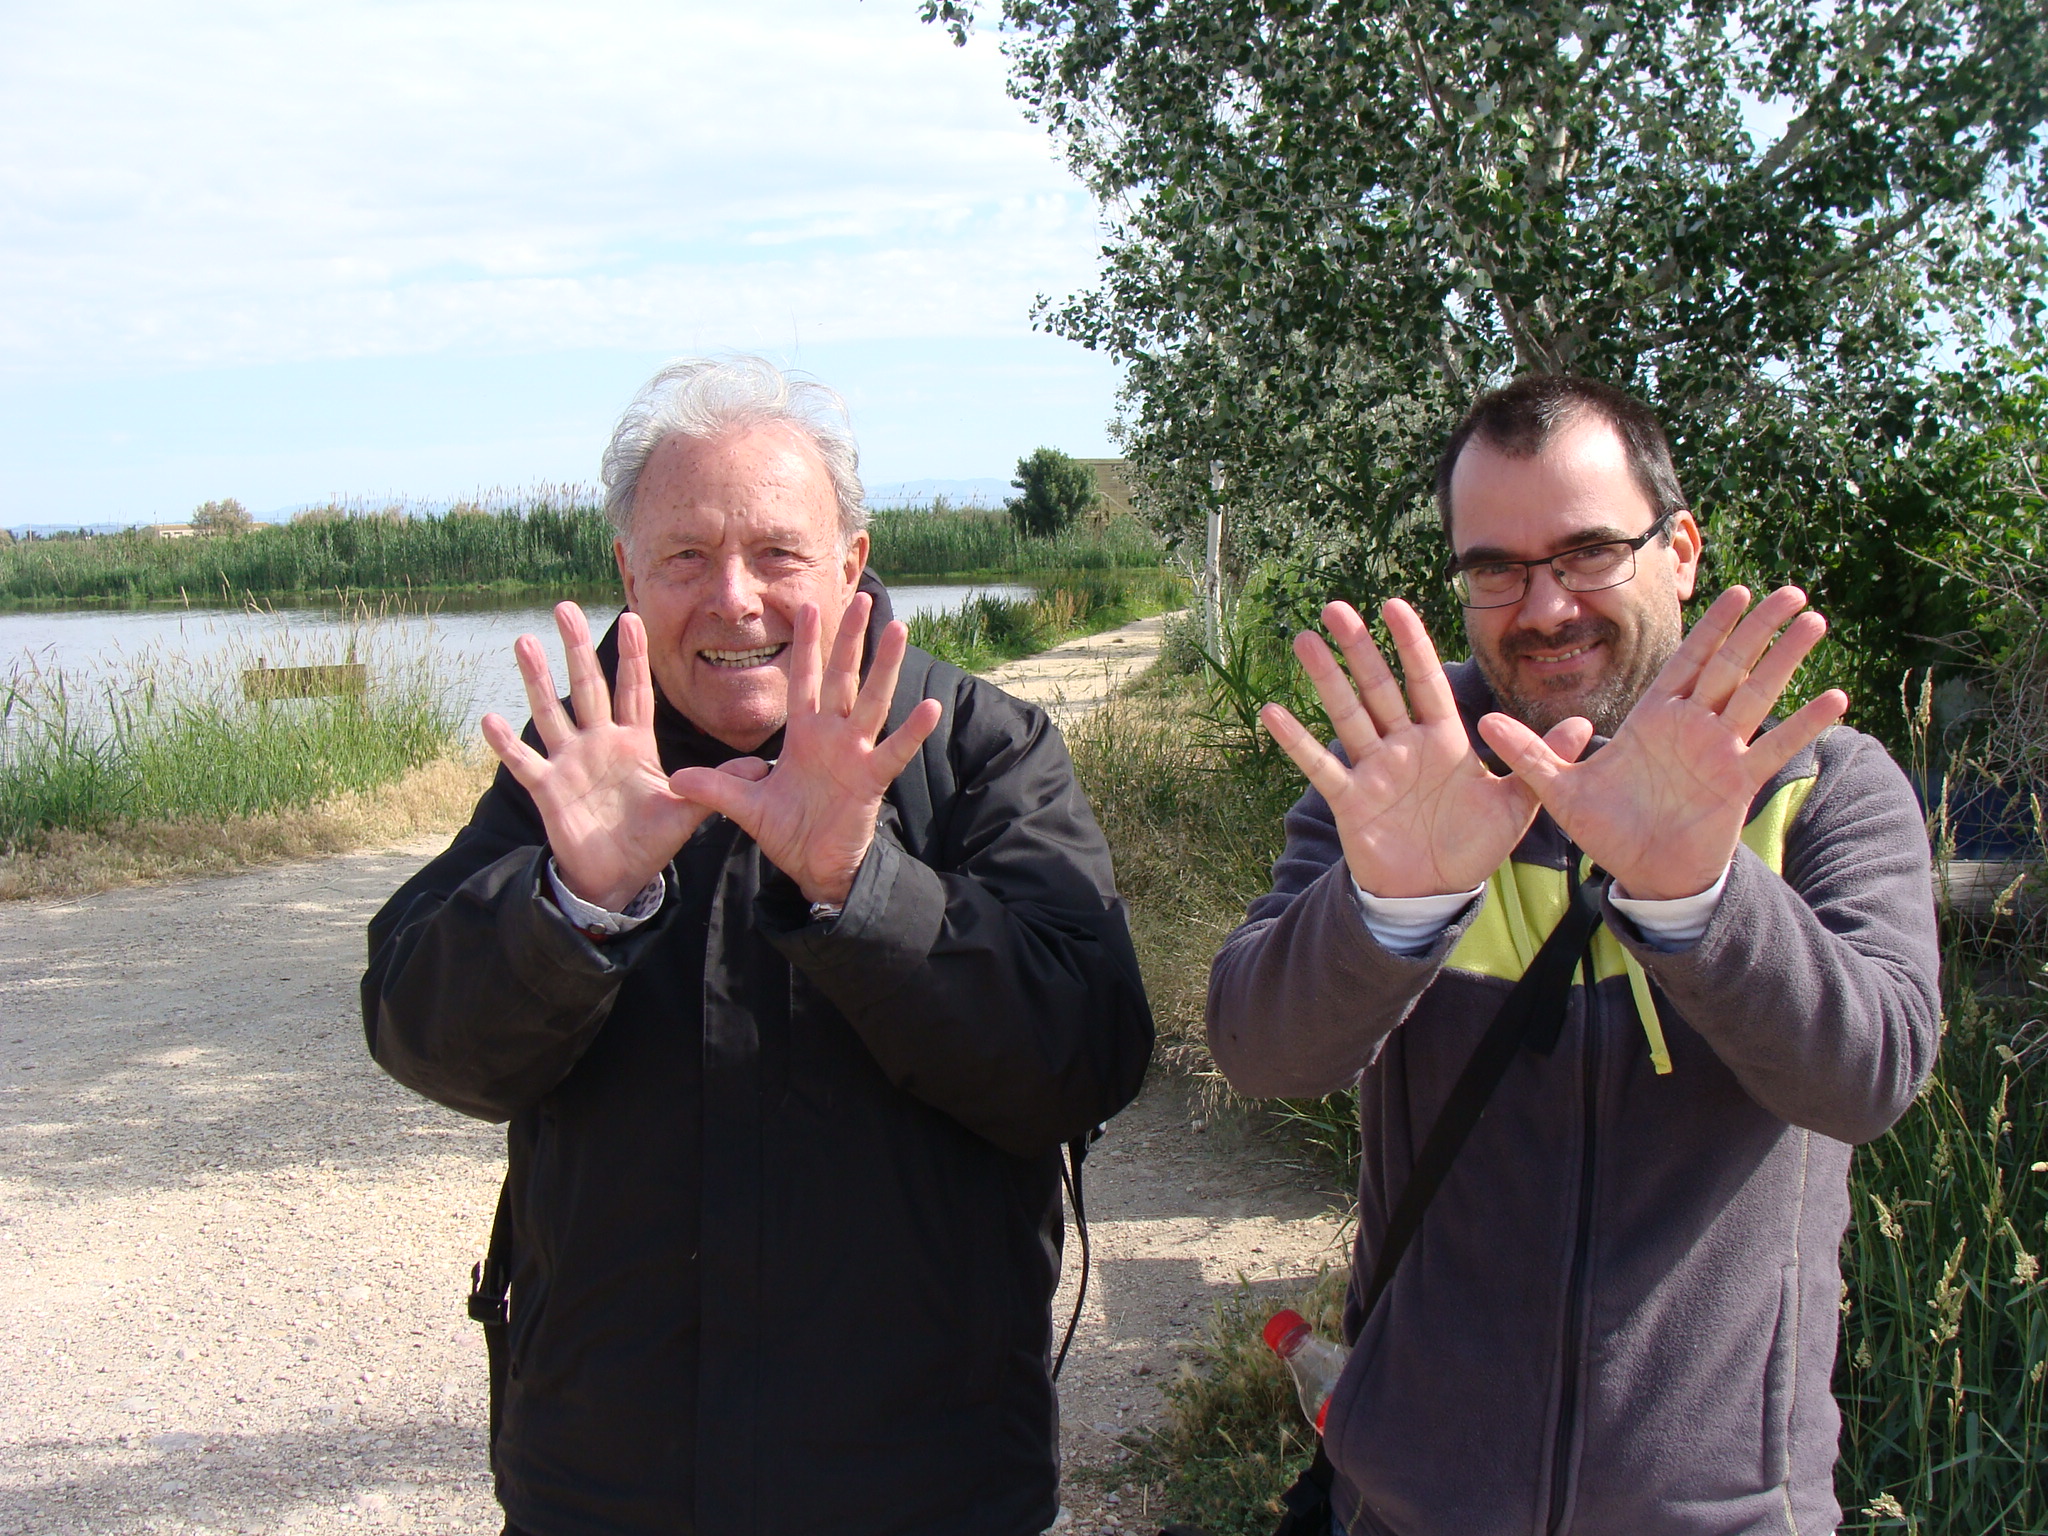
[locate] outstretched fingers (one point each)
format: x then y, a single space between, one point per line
1349 718
633 700
1317 763
870 709
1429 691
841 686
893 753
549 718
1759 692
520 760
1729 667
1793 735
587 689
1675 680
1378 689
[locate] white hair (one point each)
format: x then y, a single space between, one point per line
702 398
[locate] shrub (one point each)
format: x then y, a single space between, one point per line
1058 492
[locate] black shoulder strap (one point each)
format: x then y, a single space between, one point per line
1532 1014
489 1283
1075 1155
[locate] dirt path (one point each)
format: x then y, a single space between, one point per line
233 1254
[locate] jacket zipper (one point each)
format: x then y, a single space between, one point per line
1574 1343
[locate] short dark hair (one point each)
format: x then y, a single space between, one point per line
1521 417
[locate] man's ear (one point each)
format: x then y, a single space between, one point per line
625 571
856 559
1687 544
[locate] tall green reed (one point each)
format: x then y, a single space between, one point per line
555 538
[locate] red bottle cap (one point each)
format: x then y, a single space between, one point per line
1284 1330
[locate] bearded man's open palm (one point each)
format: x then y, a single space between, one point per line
1662 806
1417 813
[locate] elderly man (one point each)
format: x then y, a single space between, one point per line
1618 1315
792 973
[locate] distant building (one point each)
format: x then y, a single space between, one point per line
1113 480
171 530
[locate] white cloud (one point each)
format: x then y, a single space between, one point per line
191 186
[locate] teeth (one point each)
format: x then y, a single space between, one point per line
1562 655
748 658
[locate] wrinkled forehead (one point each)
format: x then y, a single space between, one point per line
750 485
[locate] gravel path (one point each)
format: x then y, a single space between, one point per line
233 1254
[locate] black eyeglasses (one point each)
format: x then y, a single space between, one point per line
1589 568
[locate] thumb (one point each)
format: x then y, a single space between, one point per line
751 769
1568 738
715 789
1531 757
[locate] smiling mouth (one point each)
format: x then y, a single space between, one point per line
1560 658
755 656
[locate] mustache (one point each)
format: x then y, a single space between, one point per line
1579 632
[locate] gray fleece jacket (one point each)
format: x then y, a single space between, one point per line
1620 1314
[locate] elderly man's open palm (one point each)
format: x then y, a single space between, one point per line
1662 806
1417 812
613 822
814 814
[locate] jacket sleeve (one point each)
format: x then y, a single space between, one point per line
480 994
1819 990
997 984
1302 994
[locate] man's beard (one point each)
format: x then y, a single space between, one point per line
1630 670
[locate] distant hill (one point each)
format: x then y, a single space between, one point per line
988 492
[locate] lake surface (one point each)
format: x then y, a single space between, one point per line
470 635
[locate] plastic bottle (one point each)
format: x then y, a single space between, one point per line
1314 1363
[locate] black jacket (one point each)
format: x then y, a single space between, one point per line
785 1193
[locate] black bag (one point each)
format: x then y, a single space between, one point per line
1532 1014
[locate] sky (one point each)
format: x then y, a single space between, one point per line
288 251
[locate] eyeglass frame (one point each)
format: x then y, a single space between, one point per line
1635 547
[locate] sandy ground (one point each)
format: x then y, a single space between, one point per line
1077 675
233 1255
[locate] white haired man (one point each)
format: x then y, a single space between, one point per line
792 973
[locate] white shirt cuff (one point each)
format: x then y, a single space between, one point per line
1671 925
591 918
1408 925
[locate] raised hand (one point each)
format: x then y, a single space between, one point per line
1417 812
814 814
613 821
1662 806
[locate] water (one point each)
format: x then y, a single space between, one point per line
472 635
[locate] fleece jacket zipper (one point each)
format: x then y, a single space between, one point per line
1574 1342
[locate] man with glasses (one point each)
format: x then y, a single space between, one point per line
1618 1313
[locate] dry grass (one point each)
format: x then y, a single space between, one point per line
1193 843
435 798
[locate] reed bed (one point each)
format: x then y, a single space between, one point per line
548 541
156 738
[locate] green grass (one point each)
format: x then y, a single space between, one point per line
158 739
986 631
551 541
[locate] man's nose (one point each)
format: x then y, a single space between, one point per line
1546 604
735 593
